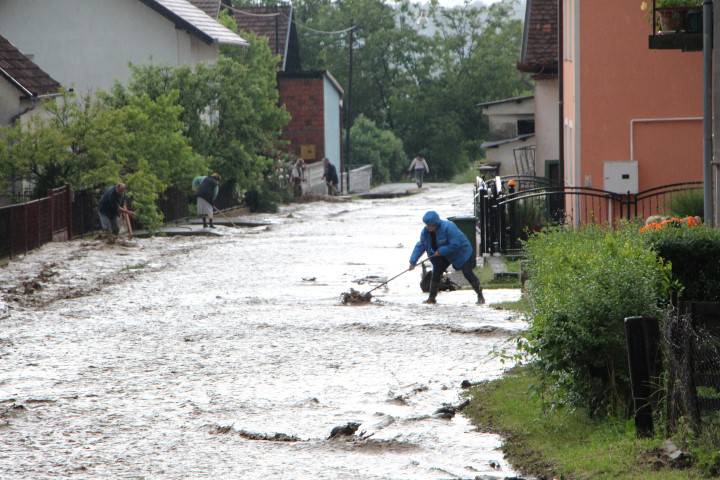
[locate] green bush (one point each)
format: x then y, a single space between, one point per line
380 148
688 204
583 283
694 254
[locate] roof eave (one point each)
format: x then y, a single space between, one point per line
27 93
537 68
189 27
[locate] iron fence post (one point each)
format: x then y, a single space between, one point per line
642 335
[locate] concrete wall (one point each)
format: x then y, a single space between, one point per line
546 123
503 117
304 99
505 156
331 109
613 78
89 44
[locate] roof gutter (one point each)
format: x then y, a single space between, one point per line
12 80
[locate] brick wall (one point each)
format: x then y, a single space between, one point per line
303 99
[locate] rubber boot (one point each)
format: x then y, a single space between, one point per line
204 222
434 286
478 290
211 223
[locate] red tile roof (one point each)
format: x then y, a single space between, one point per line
23 73
211 7
540 39
263 22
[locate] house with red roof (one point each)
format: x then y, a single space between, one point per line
314 99
23 85
89 45
539 58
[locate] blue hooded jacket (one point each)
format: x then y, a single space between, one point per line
452 243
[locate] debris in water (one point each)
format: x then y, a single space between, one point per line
353 297
267 437
448 411
346 430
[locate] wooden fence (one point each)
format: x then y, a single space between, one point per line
29 225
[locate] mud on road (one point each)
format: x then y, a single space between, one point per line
221 358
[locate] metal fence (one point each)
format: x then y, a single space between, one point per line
675 367
508 209
29 225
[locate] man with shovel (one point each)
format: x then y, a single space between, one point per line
111 206
445 245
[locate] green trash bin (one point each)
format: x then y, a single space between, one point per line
466 224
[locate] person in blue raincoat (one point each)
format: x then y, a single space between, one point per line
445 245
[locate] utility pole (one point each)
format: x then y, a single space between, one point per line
348 109
708 125
714 167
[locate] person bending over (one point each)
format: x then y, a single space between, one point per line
445 245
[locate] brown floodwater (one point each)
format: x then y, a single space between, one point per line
188 365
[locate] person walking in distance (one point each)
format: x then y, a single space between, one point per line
297 177
418 168
445 245
207 192
331 177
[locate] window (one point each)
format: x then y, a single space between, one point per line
525 127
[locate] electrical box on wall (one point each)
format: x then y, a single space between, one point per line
620 177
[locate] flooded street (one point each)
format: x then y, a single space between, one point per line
168 370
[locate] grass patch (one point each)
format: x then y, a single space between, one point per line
466 176
564 443
521 306
487 280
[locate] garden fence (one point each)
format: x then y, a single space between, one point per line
675 367
29 225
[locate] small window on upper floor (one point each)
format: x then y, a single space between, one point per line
525 127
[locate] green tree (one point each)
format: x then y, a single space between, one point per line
91 142
380 148
420 70
230 110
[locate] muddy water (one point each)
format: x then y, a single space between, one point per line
165 375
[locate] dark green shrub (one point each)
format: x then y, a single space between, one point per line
582 285
694 254
262 200
688 204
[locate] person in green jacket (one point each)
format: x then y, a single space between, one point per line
206 191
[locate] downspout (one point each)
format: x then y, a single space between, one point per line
709 214
561 95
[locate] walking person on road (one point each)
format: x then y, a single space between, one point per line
419 167
331 177
445 245
297 176
207 192
112 204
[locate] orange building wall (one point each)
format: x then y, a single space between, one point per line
622 79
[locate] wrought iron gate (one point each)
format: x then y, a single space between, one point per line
508 209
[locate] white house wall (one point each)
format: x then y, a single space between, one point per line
331 103
89 44
547 129
9 101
